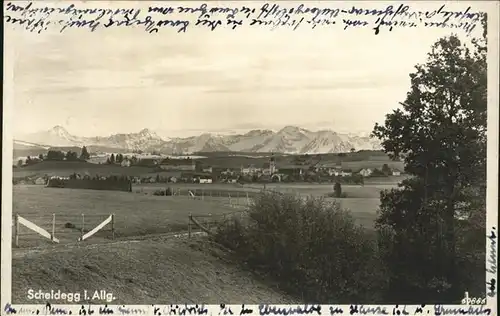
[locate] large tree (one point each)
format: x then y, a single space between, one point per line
440 132
84 155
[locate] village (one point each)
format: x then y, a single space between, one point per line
191 170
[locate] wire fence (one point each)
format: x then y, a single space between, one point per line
63 227
232 198
209 223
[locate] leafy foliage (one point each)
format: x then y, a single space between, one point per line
84 155
55 155
71 156
440 132
337 189
312 247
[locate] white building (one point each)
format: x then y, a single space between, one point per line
396 172
205 180
207 169
125 163
365 172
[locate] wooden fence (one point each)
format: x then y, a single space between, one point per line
209 223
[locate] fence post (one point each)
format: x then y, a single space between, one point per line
17 229
83 226
248 201
203 194
229 198
112 226
238 198
53 227
189 225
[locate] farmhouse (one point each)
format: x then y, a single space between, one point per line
197 177
396 172
205 180
229 171
331 168
366 172
178 164
250 170
173 179
40 181
207 169
98 159
126 163
345 173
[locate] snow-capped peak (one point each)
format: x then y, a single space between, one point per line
290 139
293 130
147 133
59 131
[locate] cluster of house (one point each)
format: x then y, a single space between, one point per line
35 180
269 171
179 177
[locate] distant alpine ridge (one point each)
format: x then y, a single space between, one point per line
288 140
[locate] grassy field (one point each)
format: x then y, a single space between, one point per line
159 271
362 201
140 213
141 265
135 214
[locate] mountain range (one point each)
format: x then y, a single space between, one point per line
288 140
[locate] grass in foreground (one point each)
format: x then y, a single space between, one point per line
135 214
145 272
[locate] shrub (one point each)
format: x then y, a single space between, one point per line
312 247
168 191
159 193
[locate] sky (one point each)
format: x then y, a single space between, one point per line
180 84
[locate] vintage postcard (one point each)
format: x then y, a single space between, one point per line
272 154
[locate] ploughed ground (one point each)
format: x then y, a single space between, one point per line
161 270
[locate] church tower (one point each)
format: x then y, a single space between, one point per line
272 164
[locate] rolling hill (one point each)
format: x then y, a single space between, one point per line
289 140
